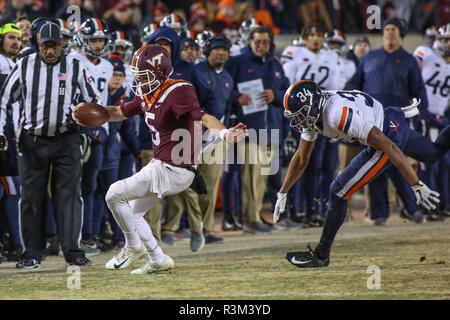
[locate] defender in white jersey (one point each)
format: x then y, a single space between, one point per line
350 116
313 63
94 36
435 67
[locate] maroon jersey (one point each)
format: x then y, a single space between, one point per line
170 115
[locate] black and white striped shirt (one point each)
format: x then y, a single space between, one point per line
47 93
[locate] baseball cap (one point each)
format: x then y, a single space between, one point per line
220 42
117 65
50 32
399 23
188 42
361 39
10 27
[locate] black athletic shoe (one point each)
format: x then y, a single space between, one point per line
28 263
14 253
52 246
227 222
435 215
79 261
307 259
212 238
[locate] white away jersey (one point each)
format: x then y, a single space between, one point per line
322 68
436 76
235 50
6 64
289 53
349 116
346 69
101 73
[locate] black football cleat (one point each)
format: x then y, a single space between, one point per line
307 259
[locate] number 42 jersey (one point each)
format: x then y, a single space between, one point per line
321 68
436 76
348 116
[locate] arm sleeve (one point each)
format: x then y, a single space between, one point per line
88 90
357 81
9 93
131 108
351 124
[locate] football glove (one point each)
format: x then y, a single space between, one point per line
425 196
280 206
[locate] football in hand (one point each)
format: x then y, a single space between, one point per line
91 115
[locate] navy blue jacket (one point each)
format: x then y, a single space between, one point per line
185 70
182 70
391 78
352 57
221 84
127 131
248 66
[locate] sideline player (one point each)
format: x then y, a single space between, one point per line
169 106
435 67
350 116
315 63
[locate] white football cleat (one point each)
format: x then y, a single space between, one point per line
150 267
125 257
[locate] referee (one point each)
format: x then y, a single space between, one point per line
48 84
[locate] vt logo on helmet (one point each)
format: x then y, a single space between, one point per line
151 66
303 102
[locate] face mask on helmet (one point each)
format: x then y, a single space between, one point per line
444 39
151 66
245 29
94 29
144 82
303 106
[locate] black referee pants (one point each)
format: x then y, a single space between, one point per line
35 155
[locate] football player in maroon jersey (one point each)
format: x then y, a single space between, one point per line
171 110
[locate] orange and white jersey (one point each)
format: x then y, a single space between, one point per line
289 54
348 116
322 68
436 76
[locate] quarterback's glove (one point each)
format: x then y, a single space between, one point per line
425 196
279 206
3 143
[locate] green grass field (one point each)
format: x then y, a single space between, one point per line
414 262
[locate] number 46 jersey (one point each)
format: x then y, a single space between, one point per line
436 76
322 68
